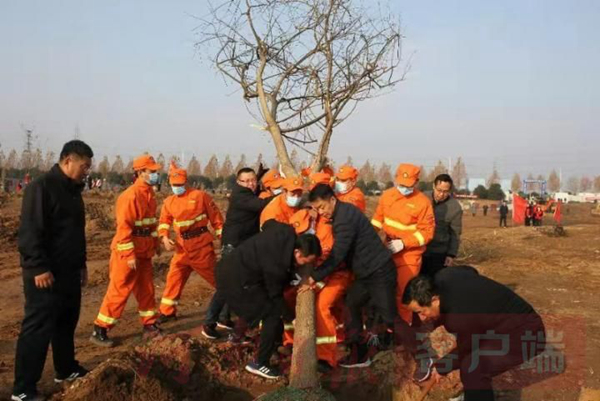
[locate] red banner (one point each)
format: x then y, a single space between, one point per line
519 206
558 212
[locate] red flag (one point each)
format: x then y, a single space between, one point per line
558 212
519 206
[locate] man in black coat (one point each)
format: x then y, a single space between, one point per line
503 214
492 324
252 277
241 223
53 257
358 245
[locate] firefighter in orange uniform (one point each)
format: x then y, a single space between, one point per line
189 211
346 189
319 178
282 207
329 291
406 217
132 249
272 183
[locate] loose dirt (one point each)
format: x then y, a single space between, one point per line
558 273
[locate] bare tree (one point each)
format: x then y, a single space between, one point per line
553 182
226 167
349 161
104 167
303 64
597 184
515 184
367 172
37 159
161 160
193 167
241 164
573 184
118 166
494 178
211 170
384 174
12 161
585 184
129 166
259 160
440 168
459 174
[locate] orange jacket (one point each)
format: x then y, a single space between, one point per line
277 209
191 211
356 197
409 218
265 194
136 235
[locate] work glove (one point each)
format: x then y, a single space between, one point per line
395 245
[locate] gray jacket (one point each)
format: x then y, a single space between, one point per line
448 226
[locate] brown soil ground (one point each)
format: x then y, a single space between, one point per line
559 275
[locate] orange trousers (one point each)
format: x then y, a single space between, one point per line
406 272
326 316
180 269
124 281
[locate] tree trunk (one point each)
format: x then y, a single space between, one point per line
303 373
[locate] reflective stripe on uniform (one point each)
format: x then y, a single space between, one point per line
154 234
419 238
147 313
164 227
106 319
326 340
168 301
399 226
187 223
219 231
125 247
145 222
288 326
376 223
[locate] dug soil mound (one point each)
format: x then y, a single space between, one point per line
168 368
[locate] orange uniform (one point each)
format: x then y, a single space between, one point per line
408 218
278 208
271 181
356 197
331 291
136 238
189 215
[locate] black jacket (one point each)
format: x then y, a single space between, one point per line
52 231
356 243
472 304
266 260
503 210
243 216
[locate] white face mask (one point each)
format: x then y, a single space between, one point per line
405 190
292 201
341 187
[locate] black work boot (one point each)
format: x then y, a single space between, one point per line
100 337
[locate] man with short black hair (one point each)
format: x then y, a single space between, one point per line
443 248
53 257
492 324
252 277
358 245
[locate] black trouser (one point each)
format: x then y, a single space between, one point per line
51 316
478 366
377 290
503 221
254 306
432 263
217 310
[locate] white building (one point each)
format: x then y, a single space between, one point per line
583 197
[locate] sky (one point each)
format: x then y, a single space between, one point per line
512 84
